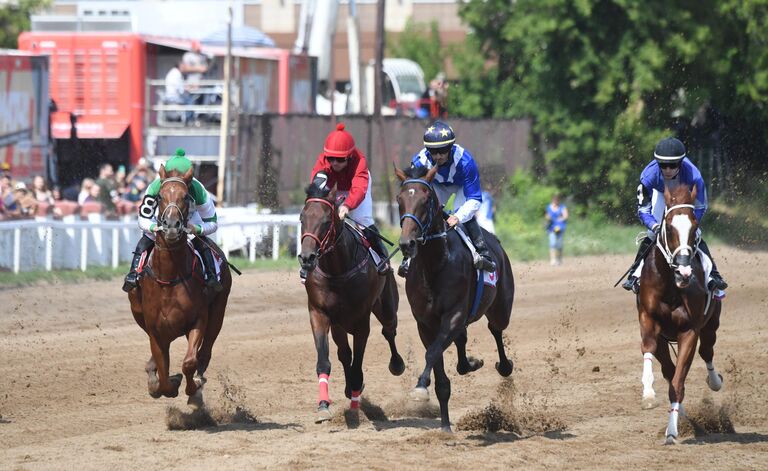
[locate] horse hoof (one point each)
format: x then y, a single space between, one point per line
670 440
446 429
504 369
155 394
716 386
396 365
649 402
323 414
472 364
200 381
195 401
419 394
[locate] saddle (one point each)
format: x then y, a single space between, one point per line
198 265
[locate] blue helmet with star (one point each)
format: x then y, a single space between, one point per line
438 135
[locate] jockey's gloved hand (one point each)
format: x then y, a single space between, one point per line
656 229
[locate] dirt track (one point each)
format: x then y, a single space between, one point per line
73 390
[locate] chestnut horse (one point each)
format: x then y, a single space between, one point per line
441 286
343 287
673 305
169 301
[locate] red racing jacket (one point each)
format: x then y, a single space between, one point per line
353 179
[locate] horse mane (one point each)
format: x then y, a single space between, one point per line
680 194
416 171
316 191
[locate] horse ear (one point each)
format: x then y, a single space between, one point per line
161 172
332 195
431 174
399 173
187 177
694 191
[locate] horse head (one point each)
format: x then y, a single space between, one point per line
677 238
319 224
173 205
420 217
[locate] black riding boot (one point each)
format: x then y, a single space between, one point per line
717 281
633 282
145 243
212 284
378 245
476 234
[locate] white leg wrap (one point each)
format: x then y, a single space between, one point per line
714 380
674 412
647 379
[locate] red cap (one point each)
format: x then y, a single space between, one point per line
339 143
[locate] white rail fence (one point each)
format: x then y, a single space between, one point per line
70 244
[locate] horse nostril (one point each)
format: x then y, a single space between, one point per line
411 243
312 257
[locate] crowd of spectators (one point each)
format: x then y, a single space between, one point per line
112 194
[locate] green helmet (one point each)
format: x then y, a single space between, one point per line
178 162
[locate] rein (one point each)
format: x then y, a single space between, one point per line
668 254
423 226
331 234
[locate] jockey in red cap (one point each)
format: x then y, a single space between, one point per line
343 165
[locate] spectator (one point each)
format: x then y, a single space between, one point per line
136 190
6 189
121 182
556 215
142 169
107 189
176 93
24 204
94 194
194 65
40 190
85 190
486 215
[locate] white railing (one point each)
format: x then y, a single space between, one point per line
52 244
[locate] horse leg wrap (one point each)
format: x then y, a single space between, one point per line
355 401
322 383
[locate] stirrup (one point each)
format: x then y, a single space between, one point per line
402 271
383 268
212 284
632 284
717 283
131 281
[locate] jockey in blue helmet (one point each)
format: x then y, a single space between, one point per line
456 175
670 167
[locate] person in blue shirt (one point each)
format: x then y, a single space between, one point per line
670 167
457 175
557 217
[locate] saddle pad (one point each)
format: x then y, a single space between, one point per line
489 278
216 258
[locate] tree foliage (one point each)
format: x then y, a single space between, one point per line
421 43
14 19
603 80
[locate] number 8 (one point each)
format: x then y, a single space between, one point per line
147 208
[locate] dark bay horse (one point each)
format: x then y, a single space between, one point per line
673 305
169 301
343 287
441 287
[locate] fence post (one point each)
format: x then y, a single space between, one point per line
16 249
83 249
49 248
115 247
252 246
298 239
275 241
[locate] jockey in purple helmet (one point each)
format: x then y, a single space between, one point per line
456 175
670 167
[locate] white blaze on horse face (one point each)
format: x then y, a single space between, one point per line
682 223
411 192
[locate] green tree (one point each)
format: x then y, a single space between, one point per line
603 80
14 19
421 43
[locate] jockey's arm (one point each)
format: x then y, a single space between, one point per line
205 208
645 206
700 205
147 218
359 186
472 192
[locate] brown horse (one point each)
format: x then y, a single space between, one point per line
441 289
343 287
673 305
169 301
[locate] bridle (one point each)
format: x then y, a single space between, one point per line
669 255
432 206
163 218
328 242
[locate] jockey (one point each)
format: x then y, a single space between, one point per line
343 165
202 221
457 175
670 167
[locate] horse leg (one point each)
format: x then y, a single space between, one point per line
215 321
385 310
687 348
649 331
344 354
320 327
189 365
359 341
504 365
167 386
152 382
443 393
450 327
465 364
707 350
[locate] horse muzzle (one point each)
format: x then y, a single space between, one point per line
308 262
683 276
409 247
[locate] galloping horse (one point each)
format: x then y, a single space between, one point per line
674 305
169 301
441 289
343 287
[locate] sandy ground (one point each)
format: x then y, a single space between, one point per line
73 390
